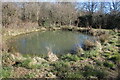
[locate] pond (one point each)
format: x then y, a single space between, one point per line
60 42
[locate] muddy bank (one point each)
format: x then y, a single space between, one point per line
14 32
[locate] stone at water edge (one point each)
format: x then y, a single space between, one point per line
43 28
52 57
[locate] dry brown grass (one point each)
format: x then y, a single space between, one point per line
88 45
104 38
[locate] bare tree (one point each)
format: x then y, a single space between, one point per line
10 13
114 6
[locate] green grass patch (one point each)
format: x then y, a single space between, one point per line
115 58
91 53
90 71
99 63
5 72
108 64
60 68
70 57
73 75
30 75
25 63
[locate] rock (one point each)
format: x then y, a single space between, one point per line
39 60
51 57
55 28
50 75
43 29
93 77
36 30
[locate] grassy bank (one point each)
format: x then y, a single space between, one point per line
98 62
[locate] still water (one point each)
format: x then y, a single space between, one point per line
60 42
